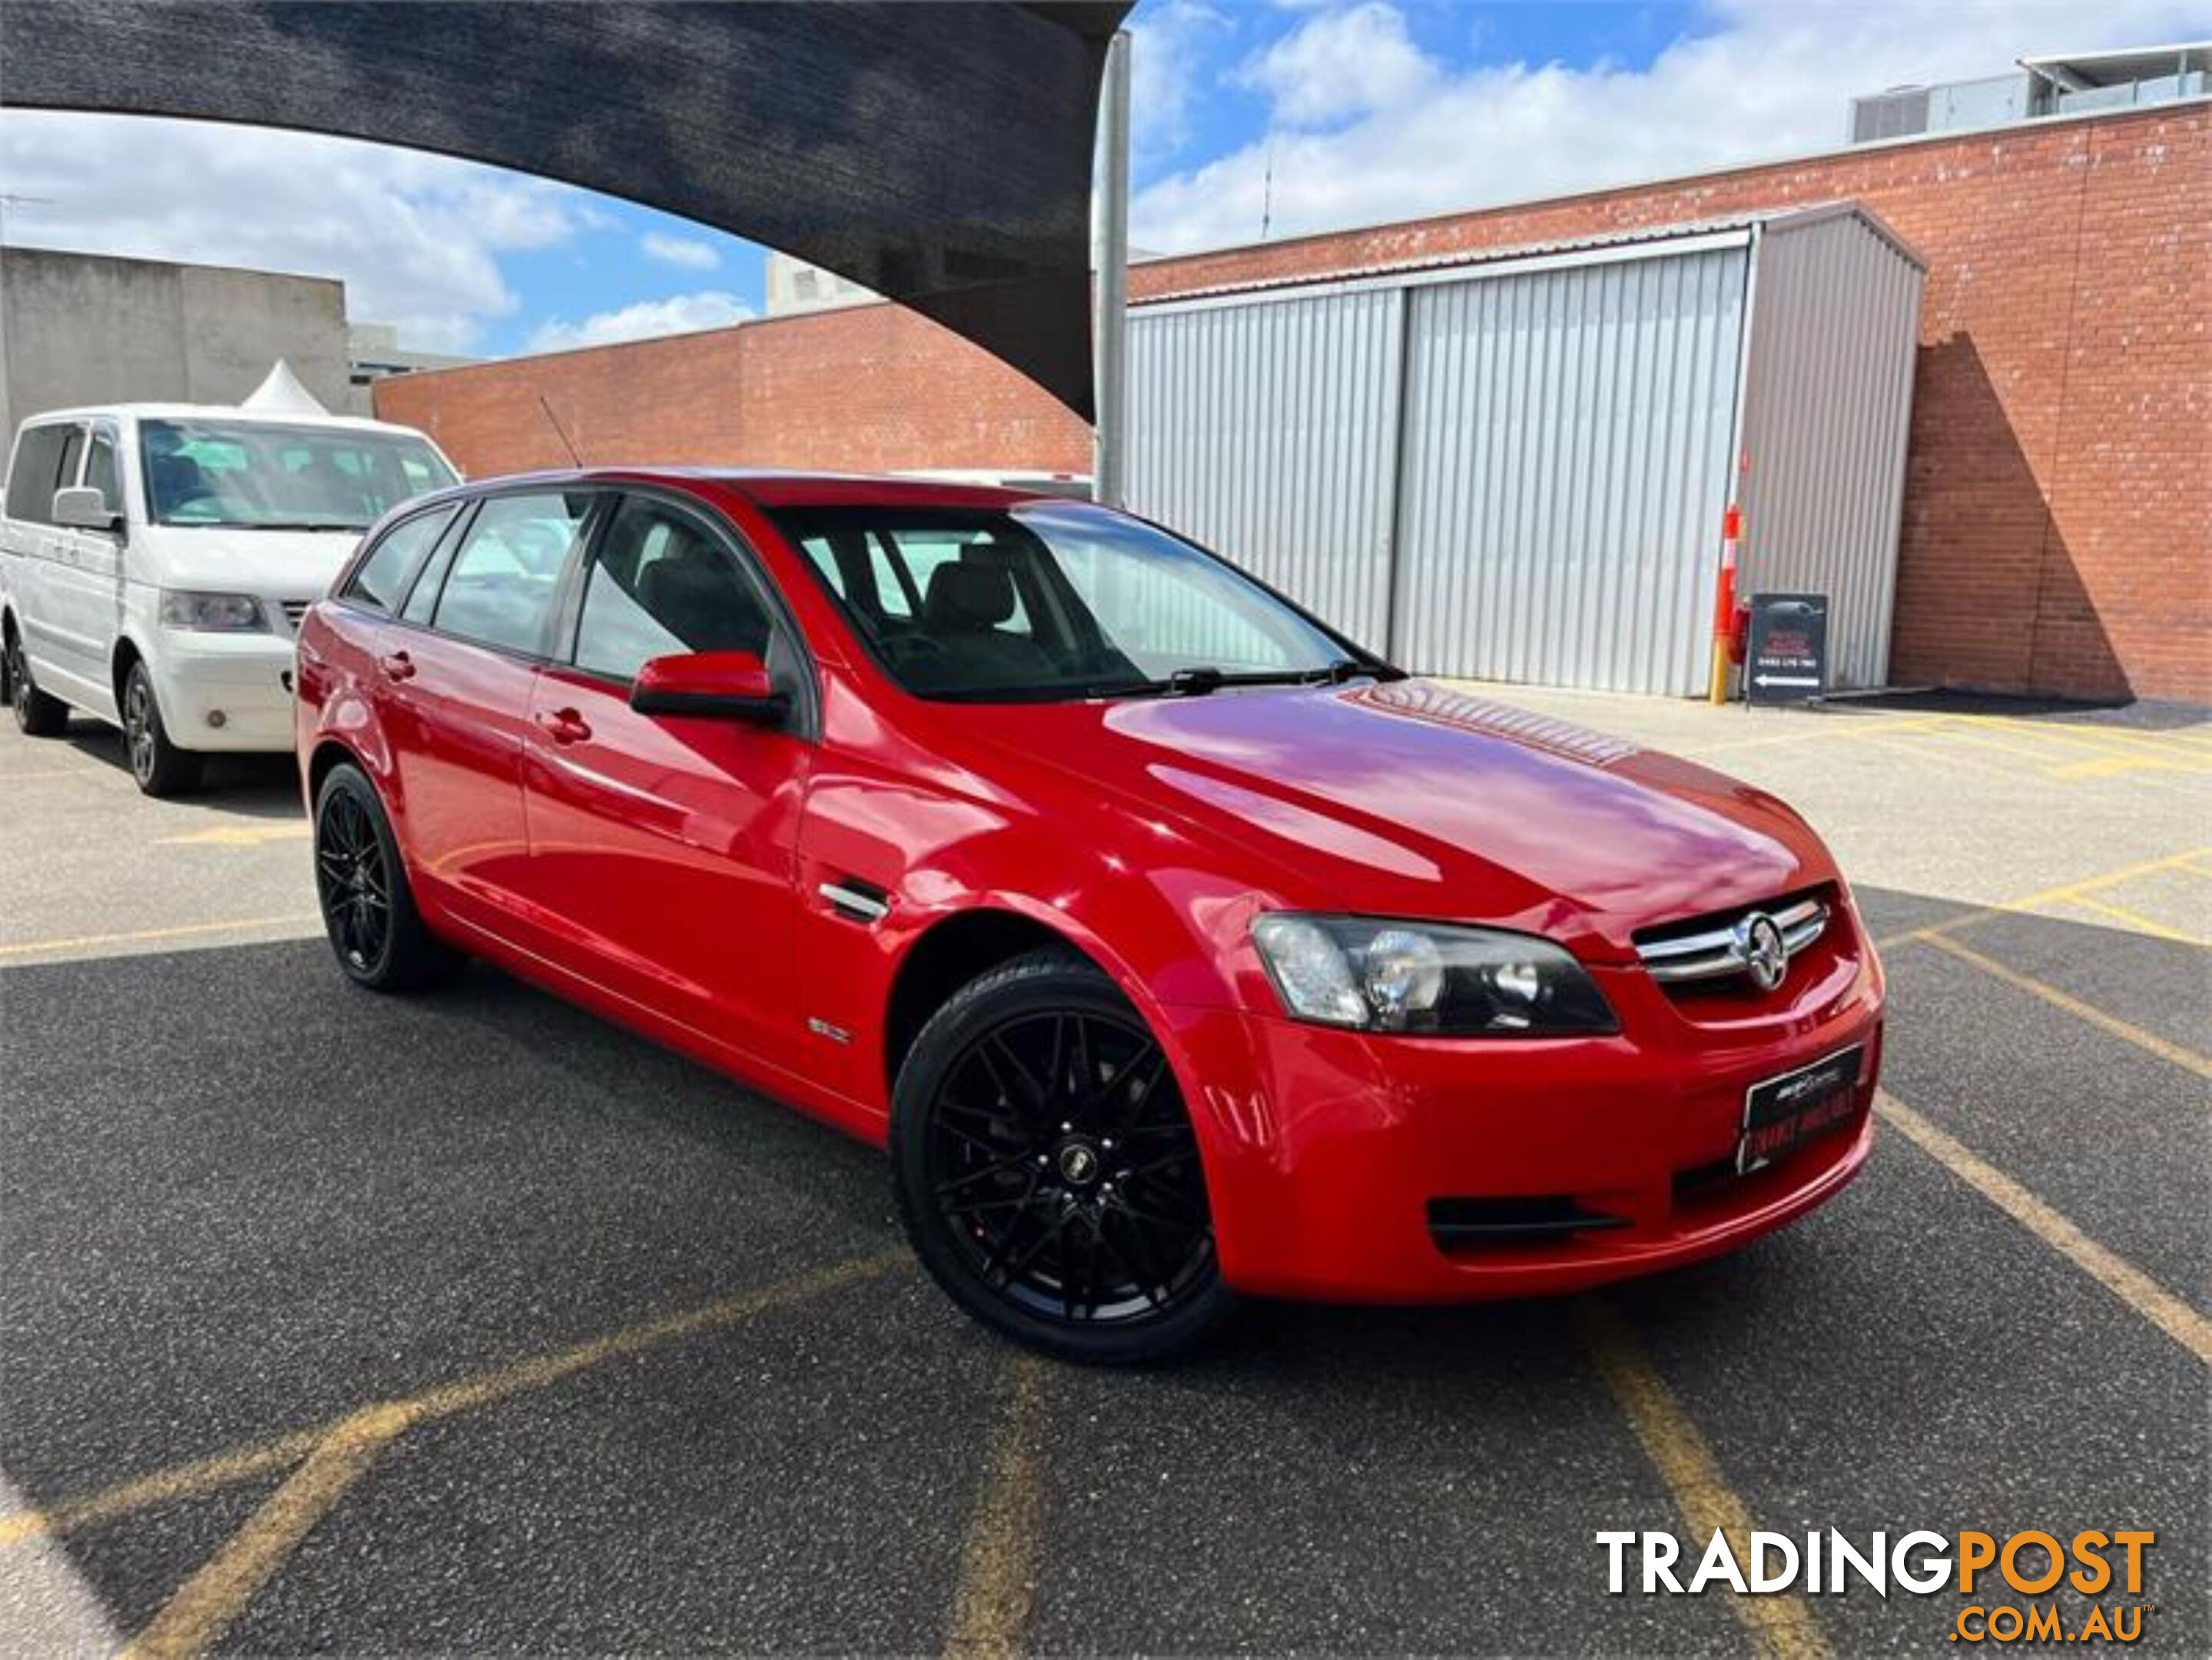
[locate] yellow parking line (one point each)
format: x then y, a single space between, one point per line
2186 741
998 1566
202 1475
2138 921
240 835
2043 758
2049 896
2113 763
1781 1626
207 1474
2189 1060
1925 753
2122 1278
138 936
208 1604
1818 731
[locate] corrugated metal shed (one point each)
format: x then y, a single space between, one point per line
1515 466
1276 426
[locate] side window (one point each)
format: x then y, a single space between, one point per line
380 579
72 457
501 587
31 479
100 470
817 548
664 584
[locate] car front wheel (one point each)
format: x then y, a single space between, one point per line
1046 1172
159 767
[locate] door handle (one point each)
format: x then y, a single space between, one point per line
397 665
563 726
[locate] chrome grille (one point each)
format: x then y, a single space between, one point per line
1718 952
295 612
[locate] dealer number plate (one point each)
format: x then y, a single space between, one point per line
1783 1112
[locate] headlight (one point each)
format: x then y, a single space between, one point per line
1384 976
216 613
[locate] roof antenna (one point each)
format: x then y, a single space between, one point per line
1267 190
574 459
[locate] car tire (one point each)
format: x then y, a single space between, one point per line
37 714
361 883
158 765
1047 1170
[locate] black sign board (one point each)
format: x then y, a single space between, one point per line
1787 661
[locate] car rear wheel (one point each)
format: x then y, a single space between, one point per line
159 767
37 715
1046 1172
367 909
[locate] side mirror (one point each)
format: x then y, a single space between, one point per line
730 685
82 506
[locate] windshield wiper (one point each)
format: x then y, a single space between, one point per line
1197 681
303 524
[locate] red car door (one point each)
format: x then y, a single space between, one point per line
665 843
455 672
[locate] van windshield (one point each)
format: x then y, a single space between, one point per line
255 476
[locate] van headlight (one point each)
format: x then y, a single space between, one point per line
1383 976
213 613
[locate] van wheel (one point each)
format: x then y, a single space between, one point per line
367 909
1046 1172
37 715
159 767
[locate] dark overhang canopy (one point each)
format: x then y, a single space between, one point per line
938 154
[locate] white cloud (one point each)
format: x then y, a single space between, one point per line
684 251
1168 48
1342 63
416 237
681 313
1414 136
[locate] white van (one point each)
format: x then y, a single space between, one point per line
154 560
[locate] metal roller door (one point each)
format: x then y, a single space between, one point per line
1566 462
1270 432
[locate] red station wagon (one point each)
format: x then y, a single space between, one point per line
1176 946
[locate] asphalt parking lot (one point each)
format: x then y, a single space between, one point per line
333 1323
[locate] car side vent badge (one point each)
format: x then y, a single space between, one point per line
856 901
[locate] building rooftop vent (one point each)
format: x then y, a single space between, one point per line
2072 83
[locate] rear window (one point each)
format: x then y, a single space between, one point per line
383 577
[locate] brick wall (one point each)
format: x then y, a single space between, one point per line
2058 526
871 389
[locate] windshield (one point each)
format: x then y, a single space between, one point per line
1055 600
268 476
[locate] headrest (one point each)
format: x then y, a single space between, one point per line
964 595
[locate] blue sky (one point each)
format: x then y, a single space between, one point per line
1314 114
611 269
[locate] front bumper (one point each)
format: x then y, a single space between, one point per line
1331 1155
246 680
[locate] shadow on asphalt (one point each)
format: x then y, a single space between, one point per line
250 786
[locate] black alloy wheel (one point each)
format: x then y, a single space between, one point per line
1048 1170
354 882
37 715
367 910
158 765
